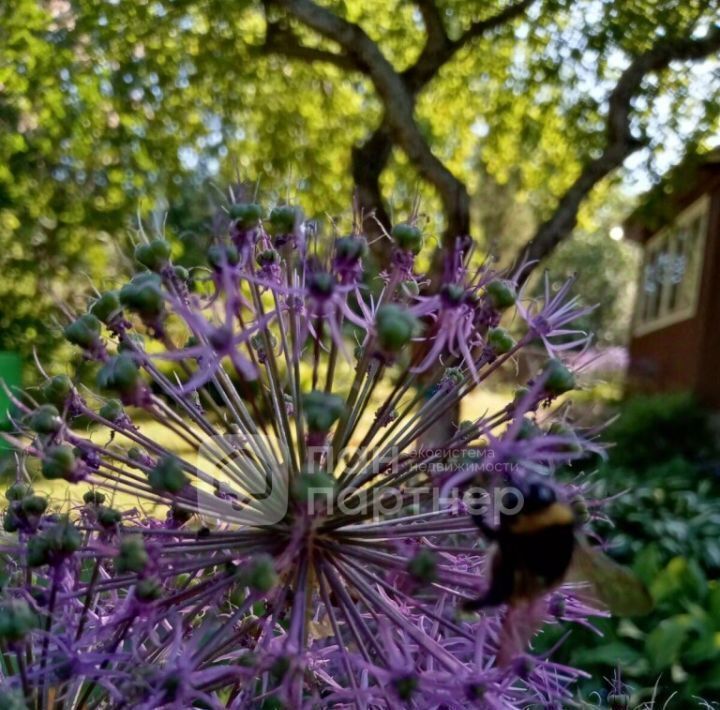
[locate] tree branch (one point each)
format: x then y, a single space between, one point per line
481 27
434 26
399 106
397 92
283 41
620 141
438 50
368 162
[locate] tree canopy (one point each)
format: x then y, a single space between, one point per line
110 108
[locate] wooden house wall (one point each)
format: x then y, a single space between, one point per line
686 355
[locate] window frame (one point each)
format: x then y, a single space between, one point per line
698 209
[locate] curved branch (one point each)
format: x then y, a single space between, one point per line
434 26
620 141
283 41
368 162
439 50
481 27
397 92
399 106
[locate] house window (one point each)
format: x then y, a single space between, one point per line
671 272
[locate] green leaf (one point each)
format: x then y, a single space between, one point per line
663 644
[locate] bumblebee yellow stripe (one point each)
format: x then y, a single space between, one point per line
555 514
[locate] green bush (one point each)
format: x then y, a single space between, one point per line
666 525
654 429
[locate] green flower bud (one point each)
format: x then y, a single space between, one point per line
168 476
322 410
452 294
283 219
45 420
132 557
120 374
38 552
520 393
500 340
268 257
311 485
410 288
351 248
454 374
246 214
16 620
57 389
58 462
130 343
154 255
259 574
181 273
64 538
18 491
107 307
559 378
423 566
501 294
408 237
34 505
109 517
528 429
467 426
136 455
560 429
83 332
53 545
11 523
395 327
112 410
148 590
219 254
143 295
321 284
93 498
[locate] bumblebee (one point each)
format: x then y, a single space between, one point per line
540 547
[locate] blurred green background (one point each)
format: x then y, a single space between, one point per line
111 111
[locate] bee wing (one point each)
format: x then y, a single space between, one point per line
614 585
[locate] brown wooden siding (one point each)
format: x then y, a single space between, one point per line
708 385
686 355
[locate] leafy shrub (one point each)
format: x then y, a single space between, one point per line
654 429
666 525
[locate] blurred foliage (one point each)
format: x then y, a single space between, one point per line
665 524
653 429
605 270
111 108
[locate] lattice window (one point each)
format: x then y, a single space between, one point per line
672 269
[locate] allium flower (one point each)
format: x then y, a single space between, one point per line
283 542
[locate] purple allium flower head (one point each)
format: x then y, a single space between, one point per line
246 518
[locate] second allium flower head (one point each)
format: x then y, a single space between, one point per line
295 548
